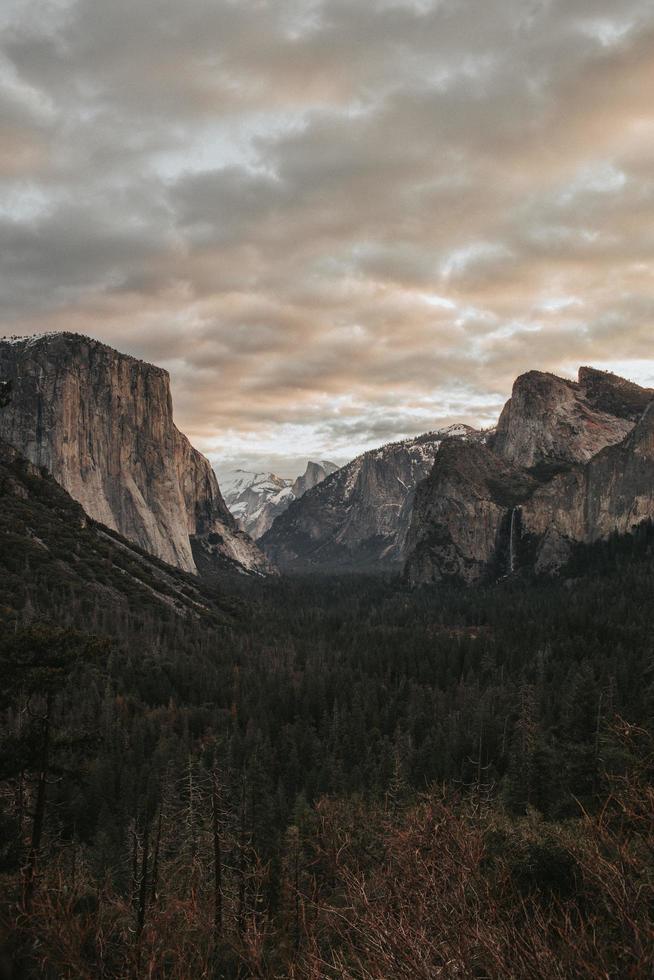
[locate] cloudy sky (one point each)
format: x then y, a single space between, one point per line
336 222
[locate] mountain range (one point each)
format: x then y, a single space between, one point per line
256 499
569 463
359 516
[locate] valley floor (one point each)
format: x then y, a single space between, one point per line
336 777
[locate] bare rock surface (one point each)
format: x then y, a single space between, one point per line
612 494
51 552
314 474
571 462
459 512
102 423
550 420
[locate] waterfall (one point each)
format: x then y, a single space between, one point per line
512 544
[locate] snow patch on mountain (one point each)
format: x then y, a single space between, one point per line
256 499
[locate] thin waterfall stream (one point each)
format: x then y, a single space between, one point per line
512 547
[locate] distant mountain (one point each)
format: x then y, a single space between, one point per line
256 499
314 474
359 515
102 423
571 462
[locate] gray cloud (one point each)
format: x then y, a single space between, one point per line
334 222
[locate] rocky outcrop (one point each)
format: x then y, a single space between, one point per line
549 421
314 474
359 516
612 494
571 462
256 499
460 511
101 422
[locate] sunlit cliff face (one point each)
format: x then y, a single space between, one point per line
335 223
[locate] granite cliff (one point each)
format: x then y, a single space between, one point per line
611 494
55 561
458 527
570 462
551 421
314 474
101 423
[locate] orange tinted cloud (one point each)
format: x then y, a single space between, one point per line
334 222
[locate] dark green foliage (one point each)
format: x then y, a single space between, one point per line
294 689
342 686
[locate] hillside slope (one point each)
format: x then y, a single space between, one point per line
57 563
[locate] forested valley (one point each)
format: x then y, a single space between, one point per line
329 776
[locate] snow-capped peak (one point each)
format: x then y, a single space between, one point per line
257 498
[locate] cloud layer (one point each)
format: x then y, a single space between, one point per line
335 222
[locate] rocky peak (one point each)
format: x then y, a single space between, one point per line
101 422
571 462
314 474
256 499
553 421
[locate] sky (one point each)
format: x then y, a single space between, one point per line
335 222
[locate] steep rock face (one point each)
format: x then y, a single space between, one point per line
551 421
314 474
359 516
256 499
101 423
612 493
572 462
54 559
459 520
